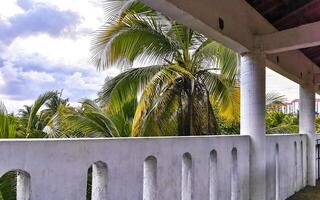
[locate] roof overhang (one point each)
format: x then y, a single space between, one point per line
244 29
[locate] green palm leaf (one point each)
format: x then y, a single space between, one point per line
92 121
133 38
40 101
125 87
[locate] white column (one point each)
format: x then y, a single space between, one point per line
99 181
252 82
307 126
23 186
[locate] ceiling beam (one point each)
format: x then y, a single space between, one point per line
241 23
290 39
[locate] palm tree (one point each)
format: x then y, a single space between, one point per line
274 100
90 120
184 77
38 118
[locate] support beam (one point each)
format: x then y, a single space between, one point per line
291 39
241 23
284 64
252 80
307 126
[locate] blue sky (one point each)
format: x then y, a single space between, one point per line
44 45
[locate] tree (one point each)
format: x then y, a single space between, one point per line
90 120
185 75
40 119
274 100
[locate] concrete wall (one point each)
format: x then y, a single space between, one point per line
286 165
192 167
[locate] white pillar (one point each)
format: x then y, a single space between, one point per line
23 186
307 126
99 181
252 82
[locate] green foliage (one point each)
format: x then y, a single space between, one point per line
8 186
228 128
92 121
278 122
7 126
89 184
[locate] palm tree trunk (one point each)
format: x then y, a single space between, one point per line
212 121
188 117
180 117
209 114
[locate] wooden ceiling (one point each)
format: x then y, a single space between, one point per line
284 14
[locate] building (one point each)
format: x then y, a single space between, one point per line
293 107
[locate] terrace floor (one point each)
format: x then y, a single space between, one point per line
308 193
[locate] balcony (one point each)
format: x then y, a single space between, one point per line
250 166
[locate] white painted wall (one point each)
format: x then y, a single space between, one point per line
292 165
58 168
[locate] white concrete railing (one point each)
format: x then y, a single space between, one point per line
286 165
199 168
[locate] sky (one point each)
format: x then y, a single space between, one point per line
45 45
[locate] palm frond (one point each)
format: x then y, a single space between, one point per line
133 38
146 102
212 56
117 10
92 121
125 87
224 95
7 126
274 98
40 101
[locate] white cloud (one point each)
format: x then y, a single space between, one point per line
57 51
77 82
2 82
90 10
9 8
282 85
13 105
9 72
38 76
